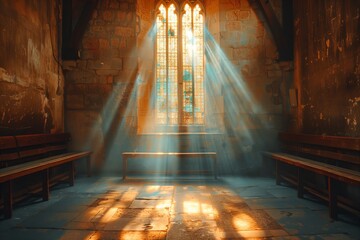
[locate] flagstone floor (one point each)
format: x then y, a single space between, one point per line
183 208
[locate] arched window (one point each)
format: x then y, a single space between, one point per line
180 64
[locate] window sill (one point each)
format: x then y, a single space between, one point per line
177 133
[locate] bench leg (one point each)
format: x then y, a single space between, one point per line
300 182
71 173
124 167
45 185
215 168
7 195
88 165
332 190
277 172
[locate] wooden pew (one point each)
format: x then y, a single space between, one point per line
336 158
24 155
176 155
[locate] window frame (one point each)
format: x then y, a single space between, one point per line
180 10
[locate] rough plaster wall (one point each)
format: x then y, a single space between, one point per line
29 74
327 63
99 85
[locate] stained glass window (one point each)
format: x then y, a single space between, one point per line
180 65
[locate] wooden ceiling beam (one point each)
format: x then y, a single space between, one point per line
72 37
282 34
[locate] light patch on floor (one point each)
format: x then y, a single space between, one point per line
174 210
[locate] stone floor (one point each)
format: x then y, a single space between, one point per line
229 208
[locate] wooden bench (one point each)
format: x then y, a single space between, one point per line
336 158
176 155
24 155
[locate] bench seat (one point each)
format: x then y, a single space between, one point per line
338 173
127 155
38 166
23 155
335 157
20 170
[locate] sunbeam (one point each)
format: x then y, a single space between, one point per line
231 117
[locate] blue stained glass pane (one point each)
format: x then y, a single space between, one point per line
188 108
187 75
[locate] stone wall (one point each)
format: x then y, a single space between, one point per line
254 87
252 52
145 45
99 86
327 66
109 88
31 80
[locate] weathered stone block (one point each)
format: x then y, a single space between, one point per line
67 65
107 72
75 89
130 63
236 15
93 88
124 31
111 63
122 43
130 17
108 15
93 101
89 54
117 63
233 26
109 79
229 52
97 30
272 66
269 61
251 68
74 101
81 64
253 28
229 5
105 89
109 53
123 76
78 75
115 42
270 49
121 16
114 5
98 22
230 35
87 80
124 6
95 14
244 40
131 44
90 43
98 64
274 74
244 4
256 42
104 43
241 53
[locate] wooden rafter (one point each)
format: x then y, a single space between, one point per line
283 35
72 36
